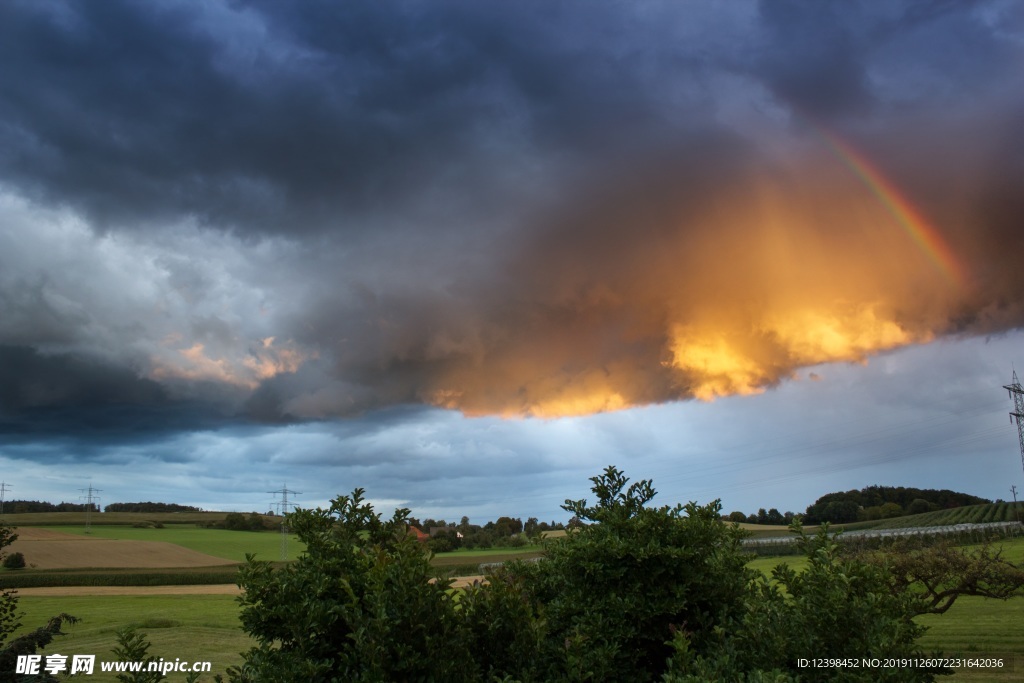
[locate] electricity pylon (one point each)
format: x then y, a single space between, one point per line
1016 392
284 507
89 498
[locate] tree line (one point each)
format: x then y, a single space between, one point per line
150 507
866 504
24 506
883 502
504 532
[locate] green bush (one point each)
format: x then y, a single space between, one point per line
14 561
613 592
358 605
133 646
838 607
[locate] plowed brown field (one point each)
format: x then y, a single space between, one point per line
48 549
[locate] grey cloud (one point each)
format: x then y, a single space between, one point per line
87 400
451 183
295 118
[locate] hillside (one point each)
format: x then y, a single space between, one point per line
970 514
884 502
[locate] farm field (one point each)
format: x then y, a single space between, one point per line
50 549
969 514
112 556
124 555
228 545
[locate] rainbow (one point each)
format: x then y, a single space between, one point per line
917 226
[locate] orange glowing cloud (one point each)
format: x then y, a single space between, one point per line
243 368
730 294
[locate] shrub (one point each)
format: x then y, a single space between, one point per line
358 605
133 646
613 592
14 561
837 607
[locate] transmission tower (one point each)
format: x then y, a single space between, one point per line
1016 392
284 507
89 498
4 488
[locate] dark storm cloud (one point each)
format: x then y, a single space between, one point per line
296 117
813 57
477 205
849 61
84 399
302 116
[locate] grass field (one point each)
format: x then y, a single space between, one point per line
193 627
976 627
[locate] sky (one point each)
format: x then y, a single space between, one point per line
467 255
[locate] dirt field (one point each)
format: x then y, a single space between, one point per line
48 549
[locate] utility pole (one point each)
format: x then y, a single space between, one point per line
89 498
284 506
1016 512
1016 392
4 487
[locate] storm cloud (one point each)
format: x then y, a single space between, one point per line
305 211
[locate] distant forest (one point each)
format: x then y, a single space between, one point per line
150 507
20 506
883 502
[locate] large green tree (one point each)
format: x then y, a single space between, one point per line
612 593
358 605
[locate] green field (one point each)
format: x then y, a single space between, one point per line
231 545
976 627
192 627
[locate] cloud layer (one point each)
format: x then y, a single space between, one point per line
283 213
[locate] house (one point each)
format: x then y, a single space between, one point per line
435 530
